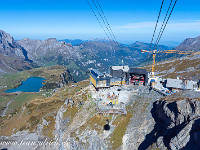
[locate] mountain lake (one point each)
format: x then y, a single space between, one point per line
32 84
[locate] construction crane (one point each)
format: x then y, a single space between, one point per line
154 52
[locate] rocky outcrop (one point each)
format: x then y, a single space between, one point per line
65 78
12 56
142 122
170 123
58 80
9 47
177 124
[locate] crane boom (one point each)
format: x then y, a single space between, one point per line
154 52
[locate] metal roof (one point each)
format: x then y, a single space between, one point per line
137 70
97 72
99 75
175 83
180 84
124 68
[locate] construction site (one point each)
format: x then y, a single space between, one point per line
115 88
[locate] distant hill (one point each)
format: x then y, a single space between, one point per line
74 42
142 45
170 44
78 58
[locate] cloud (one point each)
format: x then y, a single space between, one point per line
193 26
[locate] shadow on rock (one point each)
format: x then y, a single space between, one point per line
173 126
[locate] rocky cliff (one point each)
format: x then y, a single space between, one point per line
49 50
177 123
69 116
8 46
12 56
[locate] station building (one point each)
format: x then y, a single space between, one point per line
119 75
98 79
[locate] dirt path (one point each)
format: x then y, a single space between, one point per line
5 110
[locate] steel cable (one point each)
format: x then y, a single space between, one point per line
98 20
156 24
163 24
103 21
106 21
166 22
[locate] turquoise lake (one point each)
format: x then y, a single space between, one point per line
32 84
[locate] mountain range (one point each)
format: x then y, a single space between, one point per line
100 54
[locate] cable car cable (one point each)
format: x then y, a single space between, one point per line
103 20
106 20
166 22
163 24
98 19
156 24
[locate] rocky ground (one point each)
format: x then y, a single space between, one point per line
81 127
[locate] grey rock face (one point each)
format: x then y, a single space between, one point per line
177 124
7 44
12 56
142 122
9 47
49 49
190 44
65 78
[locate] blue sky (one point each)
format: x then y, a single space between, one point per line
130 20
